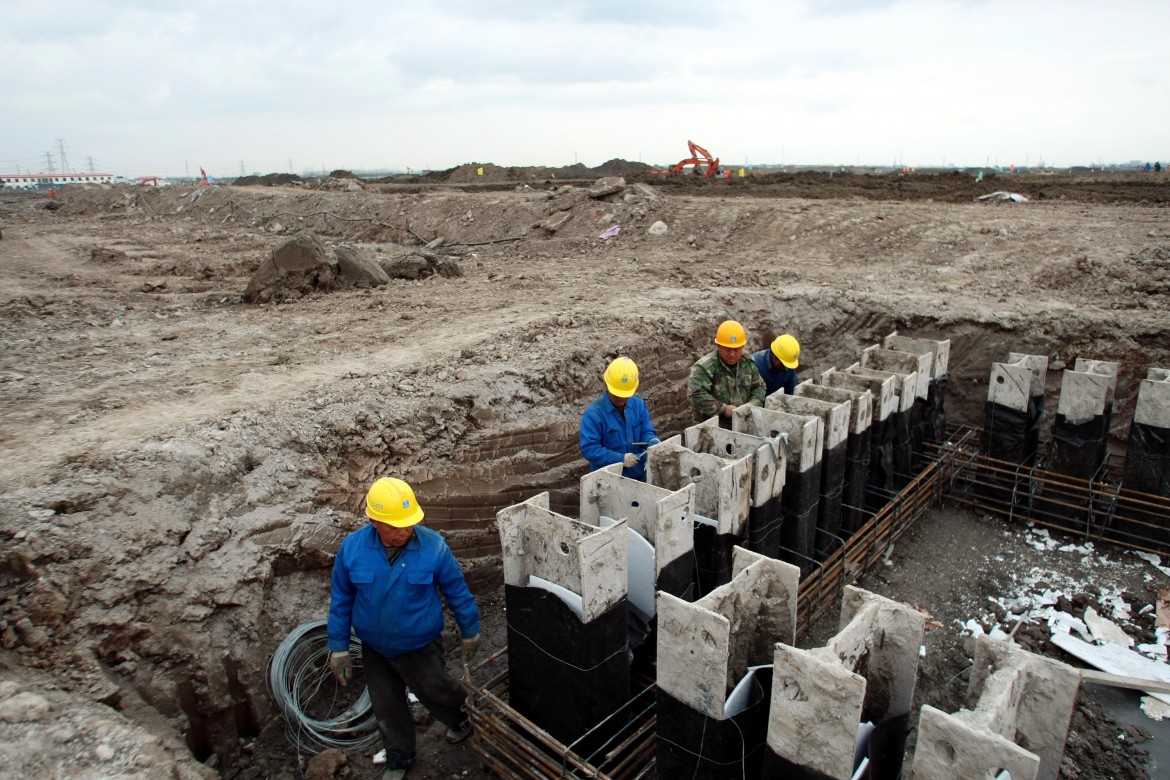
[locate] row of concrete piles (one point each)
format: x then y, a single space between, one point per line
696 574
1124 506
734 696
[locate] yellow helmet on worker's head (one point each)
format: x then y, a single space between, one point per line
621 377
391 501
787 350
731 334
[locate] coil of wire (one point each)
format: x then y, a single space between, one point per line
299 676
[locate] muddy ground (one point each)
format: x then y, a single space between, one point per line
176 466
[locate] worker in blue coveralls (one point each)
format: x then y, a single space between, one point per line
616 428
778 364
387 578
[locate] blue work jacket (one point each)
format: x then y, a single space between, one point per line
397 610
606 436
773 379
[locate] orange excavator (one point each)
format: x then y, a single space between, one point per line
700 158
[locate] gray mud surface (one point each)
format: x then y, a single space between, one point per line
177 467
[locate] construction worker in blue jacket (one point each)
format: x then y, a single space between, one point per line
616 428
387 578
777 365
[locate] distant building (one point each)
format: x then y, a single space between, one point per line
43 181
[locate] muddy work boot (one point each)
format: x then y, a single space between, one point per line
394 774
459 733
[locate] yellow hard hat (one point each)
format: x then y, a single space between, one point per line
730 334
622 377
787 350
391 501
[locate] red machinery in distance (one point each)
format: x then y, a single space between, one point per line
702 160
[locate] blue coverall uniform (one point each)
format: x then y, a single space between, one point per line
607 434
773 379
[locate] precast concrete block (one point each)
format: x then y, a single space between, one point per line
769 471
949 748
934 418
1010 386
714 670
661 517
805 439
585 559
905 363
834 455
1083 396
866 673
1015 699
1103 368
722 489
856 447
905 384
1015 411
568 619
940 350
1039 366
1153 399
884 398
902 421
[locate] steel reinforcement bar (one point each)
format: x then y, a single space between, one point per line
512 746
1095 509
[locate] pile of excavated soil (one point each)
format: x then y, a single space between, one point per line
178 466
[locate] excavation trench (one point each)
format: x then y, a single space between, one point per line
256 559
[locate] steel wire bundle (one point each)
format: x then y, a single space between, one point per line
297 676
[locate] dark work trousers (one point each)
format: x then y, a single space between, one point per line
423 672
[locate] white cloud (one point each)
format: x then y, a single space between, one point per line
524 82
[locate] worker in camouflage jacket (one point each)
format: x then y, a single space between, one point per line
725 378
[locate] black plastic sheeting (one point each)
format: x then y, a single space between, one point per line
903 424
832 495
856 476
1012 435
1147 467
712 558
564 675
800 504
692 745
1147 470
881 464
764 524
934 420
1077 450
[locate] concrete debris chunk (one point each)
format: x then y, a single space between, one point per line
607 186
556 221
356 266
1002 197
659 228
24 708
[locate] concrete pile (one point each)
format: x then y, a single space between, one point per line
837 706
565 590
1017 717
714 675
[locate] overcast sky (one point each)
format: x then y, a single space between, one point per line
159 87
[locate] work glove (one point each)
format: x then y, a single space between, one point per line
341 664
653 440
630 460
470 648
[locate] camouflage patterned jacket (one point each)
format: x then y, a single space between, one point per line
713 384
